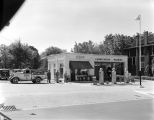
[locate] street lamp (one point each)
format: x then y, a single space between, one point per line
140 73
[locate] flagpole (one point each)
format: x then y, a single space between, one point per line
140 53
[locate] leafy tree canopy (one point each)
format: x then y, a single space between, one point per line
19 55
86 47
52 50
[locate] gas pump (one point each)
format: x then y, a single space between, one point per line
113 76
101 76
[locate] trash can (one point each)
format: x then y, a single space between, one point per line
94 80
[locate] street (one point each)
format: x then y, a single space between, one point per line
79 101
126 110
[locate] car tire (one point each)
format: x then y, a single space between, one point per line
34 81
15 80
38 80
11 81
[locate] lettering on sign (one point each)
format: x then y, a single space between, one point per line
109 60
117 59
102 59
79 57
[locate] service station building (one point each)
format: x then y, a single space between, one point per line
77 65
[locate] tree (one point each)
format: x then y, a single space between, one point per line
101 48
19 53
120 43
115 44
24 55
6 57
35 57
52 50
109 44
86 47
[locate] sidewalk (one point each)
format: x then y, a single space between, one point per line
148 88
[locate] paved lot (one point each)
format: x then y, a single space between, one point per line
28 96
125 110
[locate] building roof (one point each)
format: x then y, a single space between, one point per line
69 53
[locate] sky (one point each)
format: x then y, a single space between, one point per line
61 23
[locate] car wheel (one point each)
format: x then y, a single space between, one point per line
15 80
38 80
34 81
11 81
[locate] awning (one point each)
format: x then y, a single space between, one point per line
80 65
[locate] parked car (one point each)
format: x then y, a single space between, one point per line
26 75
4 73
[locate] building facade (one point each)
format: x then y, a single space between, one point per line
147 55
75 63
